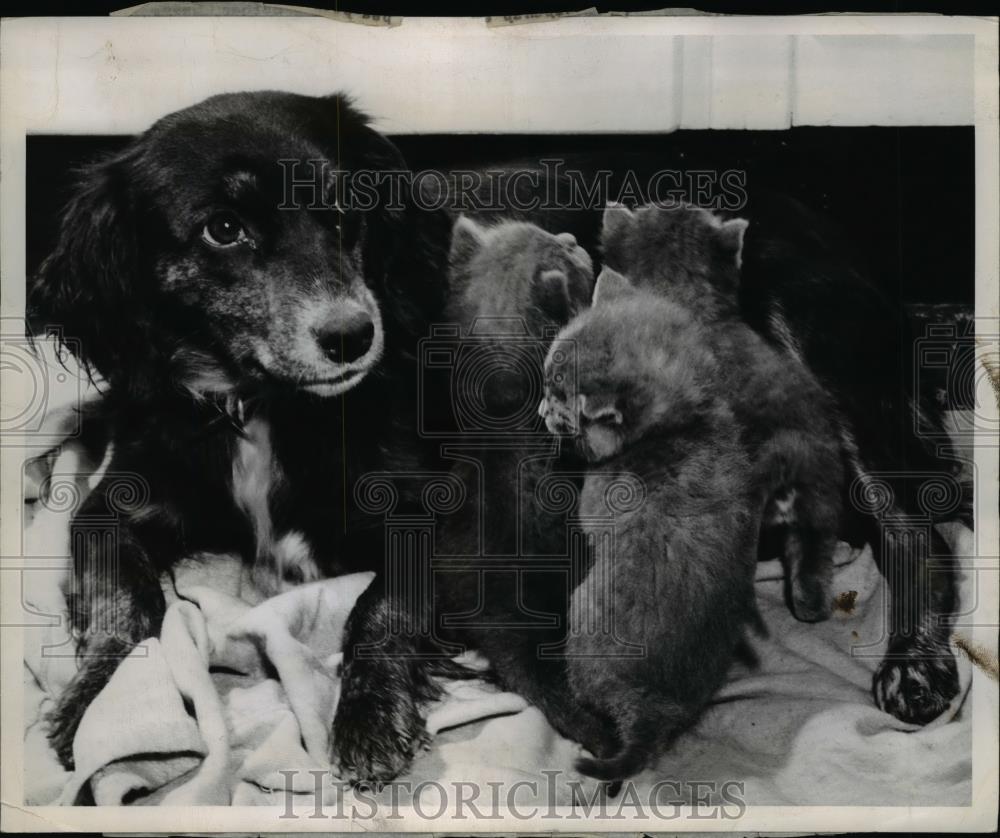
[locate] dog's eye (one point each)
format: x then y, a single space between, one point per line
224 230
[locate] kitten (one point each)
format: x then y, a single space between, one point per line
788 420
642 397
515 285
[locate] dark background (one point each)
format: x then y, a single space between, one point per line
904 196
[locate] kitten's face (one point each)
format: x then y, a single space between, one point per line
587 395
632 363
688 253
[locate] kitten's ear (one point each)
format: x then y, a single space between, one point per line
611 285
467 238
600 408
551 294
730 236
618 219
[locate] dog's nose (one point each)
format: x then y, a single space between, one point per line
347 342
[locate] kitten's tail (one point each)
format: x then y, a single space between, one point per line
647 725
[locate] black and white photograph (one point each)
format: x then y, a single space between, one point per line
549 423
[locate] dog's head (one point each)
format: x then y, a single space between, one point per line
220 253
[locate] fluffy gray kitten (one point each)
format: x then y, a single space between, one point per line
788 421
654 624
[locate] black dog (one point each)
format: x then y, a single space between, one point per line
229 332
261 360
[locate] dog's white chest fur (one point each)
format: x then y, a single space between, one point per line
280 561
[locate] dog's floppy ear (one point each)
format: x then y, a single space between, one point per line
83 288
358 145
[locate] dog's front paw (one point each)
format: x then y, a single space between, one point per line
916 689
376 735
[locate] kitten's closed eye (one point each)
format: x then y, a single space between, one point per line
600 409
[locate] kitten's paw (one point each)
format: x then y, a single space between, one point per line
916 689
376 736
